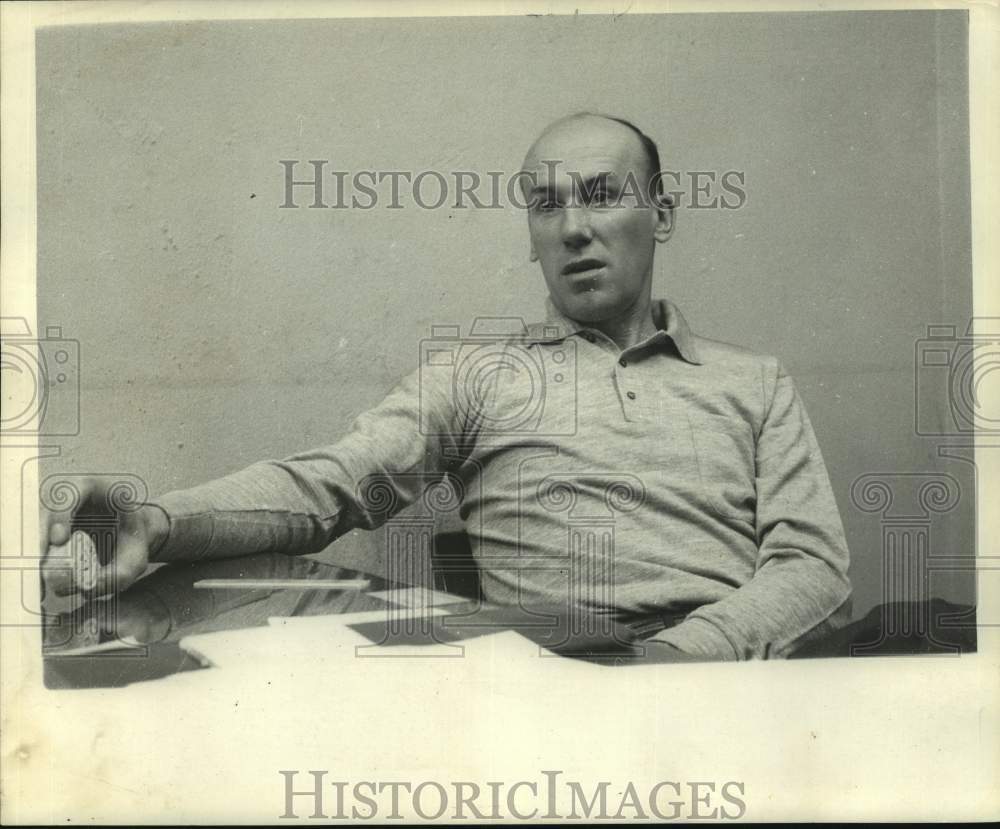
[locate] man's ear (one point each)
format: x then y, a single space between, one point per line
532 255
665 217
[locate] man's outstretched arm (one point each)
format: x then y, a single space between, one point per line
296 505
800 580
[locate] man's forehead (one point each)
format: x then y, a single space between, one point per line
585 146
583 167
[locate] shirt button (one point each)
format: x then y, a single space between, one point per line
623 362
630 395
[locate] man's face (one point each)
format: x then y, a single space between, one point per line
595 245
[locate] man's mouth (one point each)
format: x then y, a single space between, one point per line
582 266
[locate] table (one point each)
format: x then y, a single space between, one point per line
164 608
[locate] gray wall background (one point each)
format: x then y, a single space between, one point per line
216 329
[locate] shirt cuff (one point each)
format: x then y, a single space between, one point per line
698 637
190 532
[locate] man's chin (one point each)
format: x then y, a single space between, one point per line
592 305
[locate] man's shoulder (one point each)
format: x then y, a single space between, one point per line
741 373
731 355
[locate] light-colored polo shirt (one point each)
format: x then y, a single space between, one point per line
677 480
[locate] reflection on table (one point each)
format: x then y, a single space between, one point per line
134 635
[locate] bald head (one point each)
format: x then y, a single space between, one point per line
590 131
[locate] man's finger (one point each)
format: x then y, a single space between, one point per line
59 532
129 561
53 529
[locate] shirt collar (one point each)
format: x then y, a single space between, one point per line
667 318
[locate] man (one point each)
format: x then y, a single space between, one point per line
656 477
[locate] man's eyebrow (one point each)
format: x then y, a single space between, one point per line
587 183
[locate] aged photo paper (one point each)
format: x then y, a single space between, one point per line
527 412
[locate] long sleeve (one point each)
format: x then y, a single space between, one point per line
302 503
800 580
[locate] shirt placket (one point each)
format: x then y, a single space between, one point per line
627 385
625 376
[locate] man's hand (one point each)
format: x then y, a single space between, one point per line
103 562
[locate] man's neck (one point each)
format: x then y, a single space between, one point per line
631 327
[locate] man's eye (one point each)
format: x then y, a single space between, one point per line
600 197
547 204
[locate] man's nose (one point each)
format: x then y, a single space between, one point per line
576 231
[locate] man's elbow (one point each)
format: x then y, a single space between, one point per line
838 592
